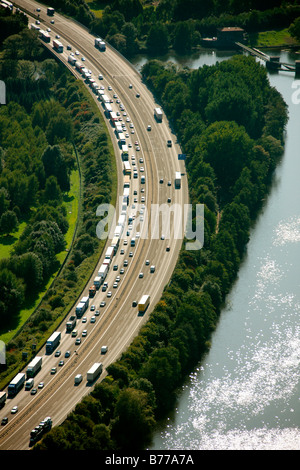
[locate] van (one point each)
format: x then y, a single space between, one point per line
29 384
132 243
152 269
74 333
143 180
78 379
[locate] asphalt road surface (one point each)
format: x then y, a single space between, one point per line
118 322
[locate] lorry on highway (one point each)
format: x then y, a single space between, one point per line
122 139
109 253
115 244
58 46
126 181
52 342
113 117
158 114
82 306
45 36
34 366
102 273
72 60
94 372
100 44
92 291
97 282
119 129
125 153
143 303
177 179
2 399
16 384
77 379
71 323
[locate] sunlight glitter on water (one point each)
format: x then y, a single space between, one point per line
288 232
250 403
224 407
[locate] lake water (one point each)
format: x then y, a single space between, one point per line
245 394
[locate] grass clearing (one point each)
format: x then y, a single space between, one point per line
280 37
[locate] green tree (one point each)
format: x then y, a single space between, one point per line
11 296
158 39
227 148
134 420
8 222
55 165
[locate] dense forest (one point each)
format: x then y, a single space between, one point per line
230 122
49 128
137 26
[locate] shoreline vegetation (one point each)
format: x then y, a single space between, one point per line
224 113
57 248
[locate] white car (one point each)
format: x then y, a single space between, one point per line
14 410
109 294
104 349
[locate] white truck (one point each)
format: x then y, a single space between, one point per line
77 379
82 306
34 366
158 114
177 179
97 282
103 270
94 371
100 44
109 253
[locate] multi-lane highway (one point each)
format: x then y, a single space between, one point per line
118 321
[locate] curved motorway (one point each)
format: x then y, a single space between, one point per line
118 321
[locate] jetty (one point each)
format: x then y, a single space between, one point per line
272 62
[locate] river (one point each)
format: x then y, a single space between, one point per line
244 395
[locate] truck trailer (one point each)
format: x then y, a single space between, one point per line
33 367
82 306
143 303
52 342
158 114
2 399
16 384
94 372
103 270
177 179
71 323
97 282
100 44
58 46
